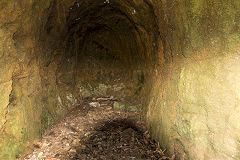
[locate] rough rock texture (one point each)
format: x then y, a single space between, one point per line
194 106
177 60
20 80
55 53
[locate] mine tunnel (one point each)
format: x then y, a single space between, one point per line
176 63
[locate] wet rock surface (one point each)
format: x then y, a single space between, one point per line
97 132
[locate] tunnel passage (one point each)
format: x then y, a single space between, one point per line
108 47
111 42
76 50
176 61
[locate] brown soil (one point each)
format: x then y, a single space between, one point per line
91 132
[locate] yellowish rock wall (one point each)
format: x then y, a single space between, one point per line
194 106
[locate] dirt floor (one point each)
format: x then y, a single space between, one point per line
95 130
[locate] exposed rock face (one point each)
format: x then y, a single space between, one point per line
55 53
194 107
177 60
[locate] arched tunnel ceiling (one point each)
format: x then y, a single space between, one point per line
102 41
127 26
106 12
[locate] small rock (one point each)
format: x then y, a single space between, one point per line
40 154
72 150
83 147
77 105
104 98
76 142
164 157
67 148
87 134
34 156
117 105
94 104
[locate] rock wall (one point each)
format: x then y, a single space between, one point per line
20 81
194 106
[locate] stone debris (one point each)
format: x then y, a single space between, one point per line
117 105
107 1
94 131
105 98
94 104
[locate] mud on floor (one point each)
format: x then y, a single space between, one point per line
96 131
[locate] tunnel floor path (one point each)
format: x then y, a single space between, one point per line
95 130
